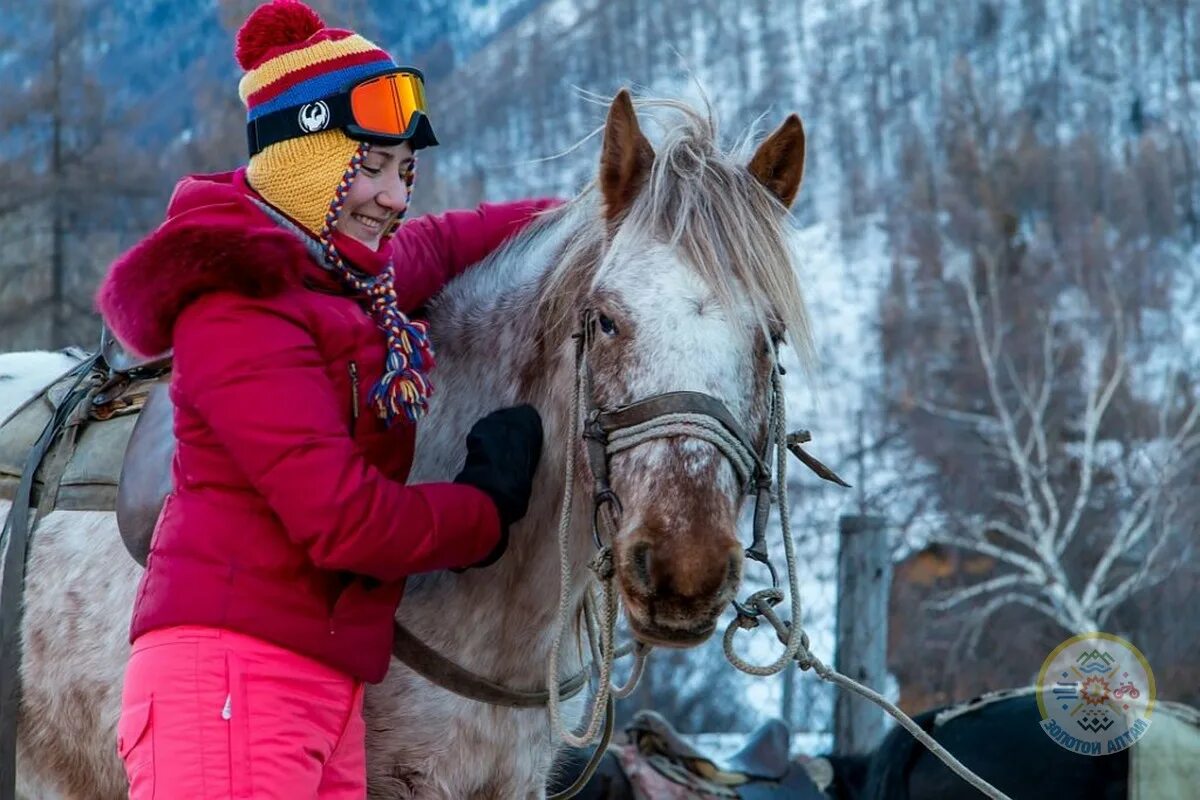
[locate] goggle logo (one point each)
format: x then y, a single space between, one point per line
314 117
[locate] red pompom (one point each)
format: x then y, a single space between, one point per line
279 23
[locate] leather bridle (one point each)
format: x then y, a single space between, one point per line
698 415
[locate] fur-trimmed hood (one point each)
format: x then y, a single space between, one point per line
214 238
220 235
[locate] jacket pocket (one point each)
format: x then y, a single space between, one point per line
353 369
135 746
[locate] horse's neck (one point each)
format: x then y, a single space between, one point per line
500 620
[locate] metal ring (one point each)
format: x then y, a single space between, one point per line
603 497
747 618
765 560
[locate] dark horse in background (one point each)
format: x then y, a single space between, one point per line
999 739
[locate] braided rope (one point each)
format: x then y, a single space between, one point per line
564 565
603 568
793 634
640 650
794 639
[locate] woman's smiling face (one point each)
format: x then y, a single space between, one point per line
379 194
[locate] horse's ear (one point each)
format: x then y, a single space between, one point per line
779 161
625 158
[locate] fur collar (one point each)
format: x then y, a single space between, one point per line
213 239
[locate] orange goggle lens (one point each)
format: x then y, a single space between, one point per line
386 104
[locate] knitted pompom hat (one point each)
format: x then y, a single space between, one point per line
291 58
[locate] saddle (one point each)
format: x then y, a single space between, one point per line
662 763
121 361
145 478
63 448
95 407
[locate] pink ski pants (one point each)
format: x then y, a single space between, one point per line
209 713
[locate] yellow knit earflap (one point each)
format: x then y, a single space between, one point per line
297 176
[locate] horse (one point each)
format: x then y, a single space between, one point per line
672 271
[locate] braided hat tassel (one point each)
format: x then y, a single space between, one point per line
404 387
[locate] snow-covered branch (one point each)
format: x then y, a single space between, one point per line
979 545
988 348
965 594
1096 406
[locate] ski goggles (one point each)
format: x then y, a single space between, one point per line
383 109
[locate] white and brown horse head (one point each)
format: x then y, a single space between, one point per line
691 286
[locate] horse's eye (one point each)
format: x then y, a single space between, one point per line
607 325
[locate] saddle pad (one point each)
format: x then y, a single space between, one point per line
89 480
764 753
19 433
656 778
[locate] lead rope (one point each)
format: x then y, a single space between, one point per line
602 716
640 651
793 635
602 566
794 639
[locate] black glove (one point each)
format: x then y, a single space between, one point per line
503 450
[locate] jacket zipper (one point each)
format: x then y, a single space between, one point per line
353 396
352 367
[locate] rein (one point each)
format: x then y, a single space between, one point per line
437 669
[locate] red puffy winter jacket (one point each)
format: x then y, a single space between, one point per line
290 520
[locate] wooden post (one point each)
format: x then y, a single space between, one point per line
864 583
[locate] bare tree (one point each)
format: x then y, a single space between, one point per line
73 179
1050 497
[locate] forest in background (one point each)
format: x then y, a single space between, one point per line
1006 191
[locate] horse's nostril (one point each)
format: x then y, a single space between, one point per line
641 563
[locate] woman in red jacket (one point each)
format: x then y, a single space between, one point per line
279 558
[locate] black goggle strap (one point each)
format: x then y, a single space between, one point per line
328 113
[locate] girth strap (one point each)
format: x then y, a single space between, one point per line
12 582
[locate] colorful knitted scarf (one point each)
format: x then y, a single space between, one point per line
404 388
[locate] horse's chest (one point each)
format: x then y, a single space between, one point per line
446 747
503 749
